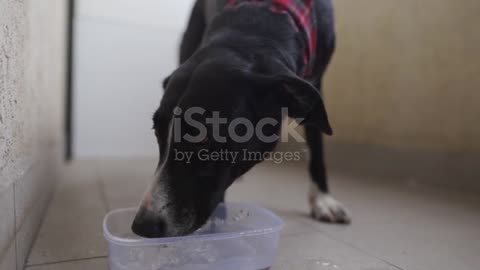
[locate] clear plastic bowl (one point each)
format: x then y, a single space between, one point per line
238 236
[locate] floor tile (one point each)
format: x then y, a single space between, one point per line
31 192
92 264
72 228
26 235
274 186
125 182
282 190
31 200
318 252
8 261
401 223
295 223
7 221
414 227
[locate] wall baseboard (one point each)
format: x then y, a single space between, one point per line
450 170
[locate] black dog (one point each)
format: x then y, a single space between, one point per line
248 62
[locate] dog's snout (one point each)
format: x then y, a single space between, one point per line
148 225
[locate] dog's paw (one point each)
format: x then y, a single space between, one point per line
325 208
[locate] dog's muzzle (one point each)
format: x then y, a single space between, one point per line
147 224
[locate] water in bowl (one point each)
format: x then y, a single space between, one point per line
182 255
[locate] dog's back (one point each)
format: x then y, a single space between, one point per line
318 27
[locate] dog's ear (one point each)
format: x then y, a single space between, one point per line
301 98
304 102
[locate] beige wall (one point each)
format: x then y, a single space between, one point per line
407 74
32 58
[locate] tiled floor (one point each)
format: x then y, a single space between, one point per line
395 226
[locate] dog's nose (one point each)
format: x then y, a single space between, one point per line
149 226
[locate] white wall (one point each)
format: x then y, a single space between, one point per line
123 50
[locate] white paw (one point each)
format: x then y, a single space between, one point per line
325 208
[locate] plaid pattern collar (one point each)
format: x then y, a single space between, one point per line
303 17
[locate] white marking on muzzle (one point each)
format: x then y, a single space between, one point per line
156 199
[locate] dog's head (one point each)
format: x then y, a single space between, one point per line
210 118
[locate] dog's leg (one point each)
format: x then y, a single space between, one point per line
323 206
194 34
